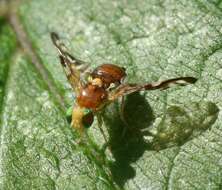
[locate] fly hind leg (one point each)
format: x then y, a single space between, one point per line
100 122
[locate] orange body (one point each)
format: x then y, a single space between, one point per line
109 73
92 96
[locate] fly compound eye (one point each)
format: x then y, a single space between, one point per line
87 118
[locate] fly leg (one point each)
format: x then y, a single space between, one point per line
122 117
100 122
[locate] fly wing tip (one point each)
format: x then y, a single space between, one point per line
54 37
191 80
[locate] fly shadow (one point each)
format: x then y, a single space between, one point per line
127 143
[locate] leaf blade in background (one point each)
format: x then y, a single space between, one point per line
7 47
154 40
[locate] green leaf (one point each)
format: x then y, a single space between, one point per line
173 137
7 47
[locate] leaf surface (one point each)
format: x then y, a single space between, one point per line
154 40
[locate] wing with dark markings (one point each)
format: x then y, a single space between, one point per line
126 89
73 67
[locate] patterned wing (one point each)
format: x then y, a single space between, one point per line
126 89
73 67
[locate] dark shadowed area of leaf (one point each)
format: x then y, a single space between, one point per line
154 40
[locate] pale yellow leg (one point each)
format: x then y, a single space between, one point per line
122 117
99 119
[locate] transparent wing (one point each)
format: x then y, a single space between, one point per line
126 89
73 67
